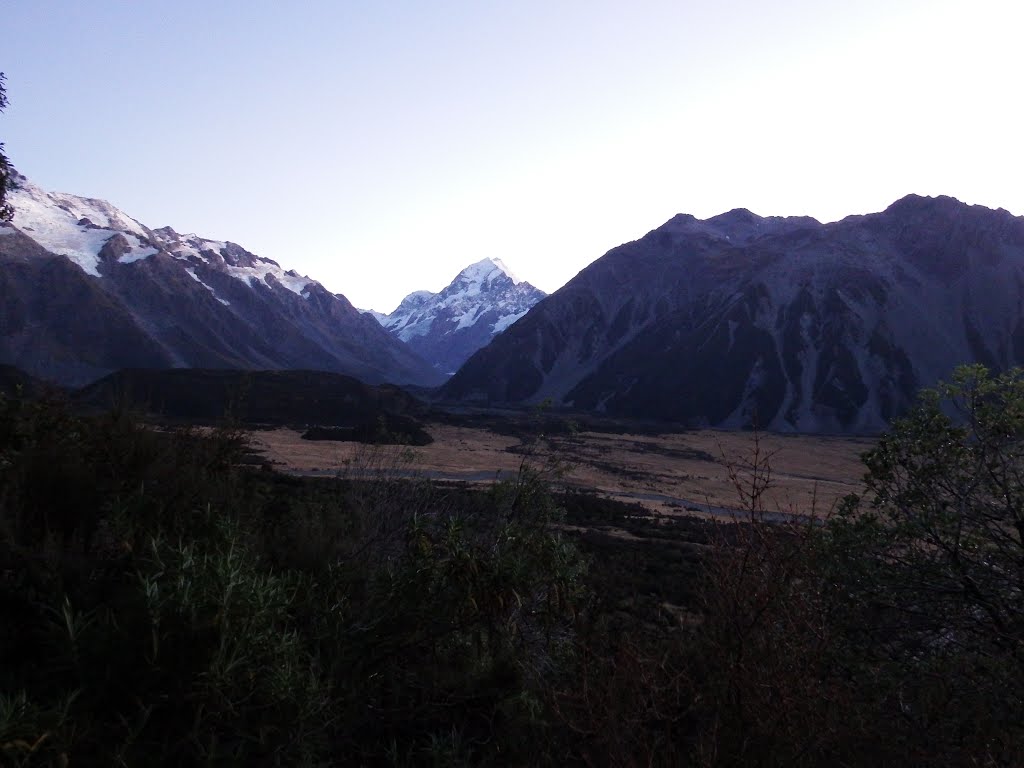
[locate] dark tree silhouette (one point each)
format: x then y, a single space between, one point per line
6 171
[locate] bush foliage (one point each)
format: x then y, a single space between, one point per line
893 632
161 603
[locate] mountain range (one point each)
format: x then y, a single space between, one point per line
88 290
446 328
782 323
733 321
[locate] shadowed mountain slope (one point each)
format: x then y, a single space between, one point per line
88 290
784 323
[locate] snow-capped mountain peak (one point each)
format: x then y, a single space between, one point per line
487 270
782 323
446 328
88 231
89 289
77 227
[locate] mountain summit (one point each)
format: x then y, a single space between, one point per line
446 328
88 289
783 323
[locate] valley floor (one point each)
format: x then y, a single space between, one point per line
687 472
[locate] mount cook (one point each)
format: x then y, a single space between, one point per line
446 328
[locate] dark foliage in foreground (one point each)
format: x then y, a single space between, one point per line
894 633
160 604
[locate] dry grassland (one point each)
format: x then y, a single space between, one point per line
668 473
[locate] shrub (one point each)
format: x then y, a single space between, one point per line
160 603
891 631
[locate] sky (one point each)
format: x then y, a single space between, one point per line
380 147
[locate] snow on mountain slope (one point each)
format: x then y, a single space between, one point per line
89 289
76 227
447 327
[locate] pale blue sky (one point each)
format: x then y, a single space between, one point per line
381 147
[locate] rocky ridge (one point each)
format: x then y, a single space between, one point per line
783 323
88 290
